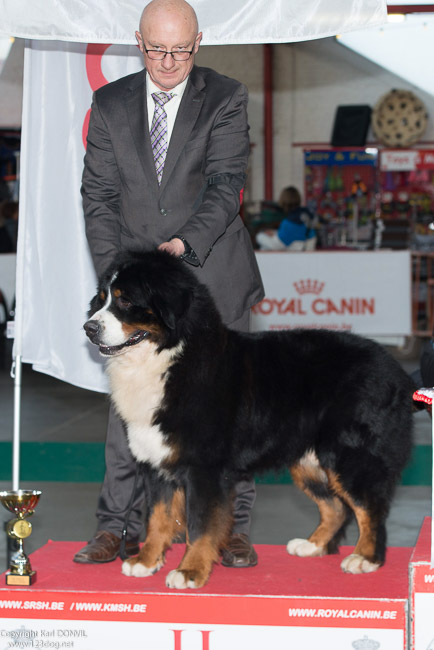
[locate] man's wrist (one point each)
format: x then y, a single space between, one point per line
188 255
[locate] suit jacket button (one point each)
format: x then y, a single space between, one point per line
163 212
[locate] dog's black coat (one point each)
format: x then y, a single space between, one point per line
334 407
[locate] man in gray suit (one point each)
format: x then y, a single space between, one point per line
166 159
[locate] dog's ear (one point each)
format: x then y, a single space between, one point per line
93 307
101 293
164 312
171 312
97 302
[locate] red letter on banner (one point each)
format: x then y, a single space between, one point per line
94 54
205 639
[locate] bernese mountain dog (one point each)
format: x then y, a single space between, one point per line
204 405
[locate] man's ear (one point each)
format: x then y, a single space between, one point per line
139 40
197 42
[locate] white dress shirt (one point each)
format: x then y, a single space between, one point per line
170 107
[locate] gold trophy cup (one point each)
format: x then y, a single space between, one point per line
22 504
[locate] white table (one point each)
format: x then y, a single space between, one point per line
7 277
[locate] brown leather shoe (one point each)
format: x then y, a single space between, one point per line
104 547
239 552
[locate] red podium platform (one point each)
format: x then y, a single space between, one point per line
422 591
284 602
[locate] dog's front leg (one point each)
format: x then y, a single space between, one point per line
166 522
209 520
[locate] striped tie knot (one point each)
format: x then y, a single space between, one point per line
161 98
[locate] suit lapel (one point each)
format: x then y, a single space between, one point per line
187 115
137 110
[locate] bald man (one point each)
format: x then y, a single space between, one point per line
185 201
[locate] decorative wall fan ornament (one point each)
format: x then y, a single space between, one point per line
399 118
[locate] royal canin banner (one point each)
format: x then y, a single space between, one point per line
86 621
365 292
401 160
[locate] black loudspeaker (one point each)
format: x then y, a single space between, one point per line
351 125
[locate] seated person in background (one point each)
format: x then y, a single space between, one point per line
296 230
9 211
424 375
6 241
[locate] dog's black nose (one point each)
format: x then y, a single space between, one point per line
92 329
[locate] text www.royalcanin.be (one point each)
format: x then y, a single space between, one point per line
342 613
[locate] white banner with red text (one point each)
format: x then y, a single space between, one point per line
86 621
406 160
365 292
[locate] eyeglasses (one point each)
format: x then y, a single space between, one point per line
159 55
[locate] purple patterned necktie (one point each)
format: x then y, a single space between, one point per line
159 132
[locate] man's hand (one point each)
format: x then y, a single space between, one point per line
174 247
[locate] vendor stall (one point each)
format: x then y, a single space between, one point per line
340 188
407 193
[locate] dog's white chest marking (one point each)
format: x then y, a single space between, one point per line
137 386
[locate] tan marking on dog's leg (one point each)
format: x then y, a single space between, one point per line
332 515
196 565
166 522
331 510
363 558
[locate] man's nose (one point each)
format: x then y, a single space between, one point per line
168 61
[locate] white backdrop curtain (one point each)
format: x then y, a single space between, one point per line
55 277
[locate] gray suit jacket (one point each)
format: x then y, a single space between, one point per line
126 209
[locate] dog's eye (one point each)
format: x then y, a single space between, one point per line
122 302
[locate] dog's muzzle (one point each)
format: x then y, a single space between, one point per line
93 331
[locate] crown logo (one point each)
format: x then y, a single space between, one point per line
365 644
309 286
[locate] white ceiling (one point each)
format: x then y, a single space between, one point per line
406 48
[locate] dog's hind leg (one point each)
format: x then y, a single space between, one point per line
312 479
166 522
370 551
209 520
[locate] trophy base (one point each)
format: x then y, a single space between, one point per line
16 580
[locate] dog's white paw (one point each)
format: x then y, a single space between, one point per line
139 570
304 548
177 580
358 564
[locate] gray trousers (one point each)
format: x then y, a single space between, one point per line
117 489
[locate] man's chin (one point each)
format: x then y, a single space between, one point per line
166 80
167 83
